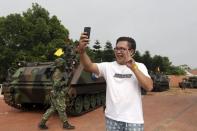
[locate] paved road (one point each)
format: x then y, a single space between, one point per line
169 112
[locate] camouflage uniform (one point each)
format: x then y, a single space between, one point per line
58 96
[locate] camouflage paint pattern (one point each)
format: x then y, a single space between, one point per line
31 85
160 81
57 96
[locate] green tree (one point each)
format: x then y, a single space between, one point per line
166 64
108 53
138 56
147 59
97 51
175 71
157 62
162 62
32 36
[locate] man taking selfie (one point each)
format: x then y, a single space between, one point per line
124 79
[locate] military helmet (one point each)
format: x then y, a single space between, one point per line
60 62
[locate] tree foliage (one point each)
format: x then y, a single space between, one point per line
175 70
108 53
31 36
147 60
97 51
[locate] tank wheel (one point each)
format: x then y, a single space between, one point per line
86 102
78 106
98 99
93 101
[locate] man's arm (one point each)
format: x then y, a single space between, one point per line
144 81
84 58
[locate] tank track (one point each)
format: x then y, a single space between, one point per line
83 112
71 110
9 99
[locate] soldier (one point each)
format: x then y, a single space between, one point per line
57 96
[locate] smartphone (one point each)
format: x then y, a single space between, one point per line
87 30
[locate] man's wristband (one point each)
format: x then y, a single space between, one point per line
134 66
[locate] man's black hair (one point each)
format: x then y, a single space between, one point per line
131 42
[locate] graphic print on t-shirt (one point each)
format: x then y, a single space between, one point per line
122 75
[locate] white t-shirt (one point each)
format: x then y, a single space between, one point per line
123 93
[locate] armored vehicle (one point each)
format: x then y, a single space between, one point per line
190 82
193 80
184 83
30 85
160 82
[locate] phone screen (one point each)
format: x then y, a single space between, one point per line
87 30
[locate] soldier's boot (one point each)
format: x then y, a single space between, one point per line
42 125
66 125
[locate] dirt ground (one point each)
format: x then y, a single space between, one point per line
173 110
175 91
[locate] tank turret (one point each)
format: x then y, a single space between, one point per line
160 81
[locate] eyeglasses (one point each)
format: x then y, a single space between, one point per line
120 49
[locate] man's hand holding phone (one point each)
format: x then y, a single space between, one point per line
84 40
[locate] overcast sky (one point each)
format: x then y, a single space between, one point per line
163 27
